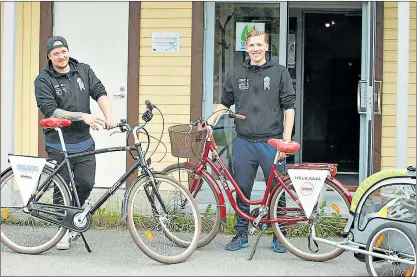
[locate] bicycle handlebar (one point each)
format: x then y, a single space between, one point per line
230 113
146 117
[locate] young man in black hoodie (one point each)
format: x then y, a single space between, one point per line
63 89
261 90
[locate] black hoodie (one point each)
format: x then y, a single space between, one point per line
261 93
68 91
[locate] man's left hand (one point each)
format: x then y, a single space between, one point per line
110 123
282 155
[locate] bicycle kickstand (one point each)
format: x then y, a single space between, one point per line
85 243
263 228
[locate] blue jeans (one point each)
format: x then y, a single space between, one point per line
247 157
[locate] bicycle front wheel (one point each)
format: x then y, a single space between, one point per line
160 211
206 197
329 218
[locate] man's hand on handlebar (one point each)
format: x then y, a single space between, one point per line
213 119
110 124
93 121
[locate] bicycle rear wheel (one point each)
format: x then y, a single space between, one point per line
21 231
158 212
328 218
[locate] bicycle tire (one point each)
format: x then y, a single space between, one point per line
287 245
60 232
136 238
204 240
375 234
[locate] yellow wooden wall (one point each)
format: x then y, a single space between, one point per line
27 68
389 105
165 77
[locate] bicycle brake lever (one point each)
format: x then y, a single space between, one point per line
112 133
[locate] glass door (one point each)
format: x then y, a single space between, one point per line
225 27
366 90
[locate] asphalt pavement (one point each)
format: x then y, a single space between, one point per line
115 254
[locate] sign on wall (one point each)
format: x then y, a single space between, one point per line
165 41
242 29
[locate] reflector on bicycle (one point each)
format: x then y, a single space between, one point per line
26 170
289 147
55 122
308 185
4 213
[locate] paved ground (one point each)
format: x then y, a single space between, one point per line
115 254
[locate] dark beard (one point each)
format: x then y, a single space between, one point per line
62 67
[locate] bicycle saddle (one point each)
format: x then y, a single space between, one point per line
284 146
55 122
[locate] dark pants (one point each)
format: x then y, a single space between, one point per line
247 156
84 170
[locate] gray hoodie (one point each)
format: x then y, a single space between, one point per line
261 93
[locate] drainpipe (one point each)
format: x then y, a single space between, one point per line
403 48
8 82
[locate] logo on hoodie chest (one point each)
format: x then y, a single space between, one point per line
243 83
80 84
267 83
60 89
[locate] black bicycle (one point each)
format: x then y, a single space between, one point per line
35 200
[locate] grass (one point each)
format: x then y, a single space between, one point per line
110 218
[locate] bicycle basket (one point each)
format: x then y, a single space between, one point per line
186 141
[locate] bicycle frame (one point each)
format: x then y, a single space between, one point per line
265 201
90 210
140 163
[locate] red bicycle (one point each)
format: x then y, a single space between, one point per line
307 195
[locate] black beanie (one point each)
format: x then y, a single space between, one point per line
50 44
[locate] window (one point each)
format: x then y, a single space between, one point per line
230 22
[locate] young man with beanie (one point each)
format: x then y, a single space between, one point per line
63 89
262 90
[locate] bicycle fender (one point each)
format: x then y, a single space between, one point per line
332 179
219 193
341 187
7 170
50 165
126 197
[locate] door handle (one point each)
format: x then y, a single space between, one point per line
359 107
377 95
121 95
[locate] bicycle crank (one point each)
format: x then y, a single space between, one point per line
259 213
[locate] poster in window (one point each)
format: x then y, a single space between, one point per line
242 29
291 51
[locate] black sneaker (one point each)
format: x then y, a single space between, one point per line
239 241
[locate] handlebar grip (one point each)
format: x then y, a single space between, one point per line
200 126
148 104
240 116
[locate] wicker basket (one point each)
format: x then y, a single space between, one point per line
186 141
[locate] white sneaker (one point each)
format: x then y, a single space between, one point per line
65 242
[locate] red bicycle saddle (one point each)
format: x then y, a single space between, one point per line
284 146
55 122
